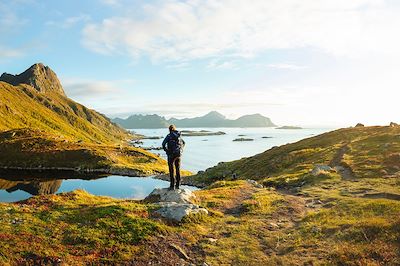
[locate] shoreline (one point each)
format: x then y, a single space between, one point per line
99 171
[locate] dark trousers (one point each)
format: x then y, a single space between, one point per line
174 161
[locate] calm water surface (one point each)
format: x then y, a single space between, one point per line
199 154
203 152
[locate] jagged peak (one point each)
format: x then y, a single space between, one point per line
39 76
215 114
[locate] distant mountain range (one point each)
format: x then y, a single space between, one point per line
212 119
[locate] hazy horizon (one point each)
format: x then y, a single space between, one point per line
330 63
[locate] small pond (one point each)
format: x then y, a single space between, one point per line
20 186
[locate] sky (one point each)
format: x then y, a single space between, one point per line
309 62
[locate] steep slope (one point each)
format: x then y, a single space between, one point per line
35 99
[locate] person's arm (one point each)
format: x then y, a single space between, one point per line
164 143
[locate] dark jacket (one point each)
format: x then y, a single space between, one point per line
172 135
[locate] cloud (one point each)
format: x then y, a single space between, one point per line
83 88
9 21
10 52
192 29
110 2
70 21
286 66
218 64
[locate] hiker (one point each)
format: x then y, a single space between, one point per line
173 145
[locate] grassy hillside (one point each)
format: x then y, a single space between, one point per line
24 107
27 148
347 215
362 152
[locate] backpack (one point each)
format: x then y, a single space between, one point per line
175 144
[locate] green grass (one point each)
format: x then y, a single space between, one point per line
75 227
24 107
372 152
32 149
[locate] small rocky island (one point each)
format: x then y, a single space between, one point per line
201 133
289 127
243 139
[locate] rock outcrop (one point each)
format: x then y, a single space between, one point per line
175 205
40 77
321 168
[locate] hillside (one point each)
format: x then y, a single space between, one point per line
35 99
42 128
212 119
333 199
363 152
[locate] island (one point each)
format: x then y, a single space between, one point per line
289 127
193 133
243 139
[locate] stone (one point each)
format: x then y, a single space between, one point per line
165 195
254 183
181 253
321 168
359 125
175 204
177 211
393 124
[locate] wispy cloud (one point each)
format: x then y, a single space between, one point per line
286 66
69 22
184 30
221 64
82 88
10 52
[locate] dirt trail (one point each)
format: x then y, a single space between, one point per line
337 162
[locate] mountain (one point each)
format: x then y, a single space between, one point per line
212 119
40 127
142 121
35 99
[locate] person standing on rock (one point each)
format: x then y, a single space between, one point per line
173 145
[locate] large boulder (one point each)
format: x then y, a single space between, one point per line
177 211
165 195
175 204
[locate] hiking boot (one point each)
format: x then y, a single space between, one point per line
171 188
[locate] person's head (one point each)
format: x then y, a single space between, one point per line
172 128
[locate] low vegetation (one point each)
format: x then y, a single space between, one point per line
26 148
347 214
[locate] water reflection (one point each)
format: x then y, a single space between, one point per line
18 185
33 188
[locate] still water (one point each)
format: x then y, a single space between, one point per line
200 153
14 188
